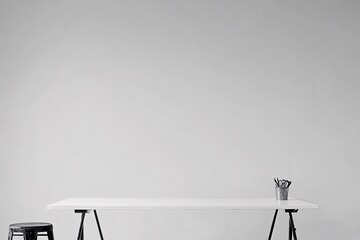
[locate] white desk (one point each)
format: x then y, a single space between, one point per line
85 205
180 203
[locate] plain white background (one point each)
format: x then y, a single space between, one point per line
180 99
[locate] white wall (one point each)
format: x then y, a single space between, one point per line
180 99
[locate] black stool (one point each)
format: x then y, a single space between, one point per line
31 230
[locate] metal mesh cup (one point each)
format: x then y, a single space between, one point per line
281 193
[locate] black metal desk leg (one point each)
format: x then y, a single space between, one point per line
98 225
290 230
291 221
81 228
273 224
293 225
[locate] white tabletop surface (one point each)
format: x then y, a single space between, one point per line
180 203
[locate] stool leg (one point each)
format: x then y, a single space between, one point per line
50 235
30 235
10 236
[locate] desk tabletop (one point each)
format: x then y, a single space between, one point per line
180 203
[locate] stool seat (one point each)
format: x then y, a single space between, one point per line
31 230
33 226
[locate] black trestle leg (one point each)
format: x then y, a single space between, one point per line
292 226
98 225
81 228
82 233
290 230
273 224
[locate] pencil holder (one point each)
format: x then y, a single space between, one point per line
281 193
